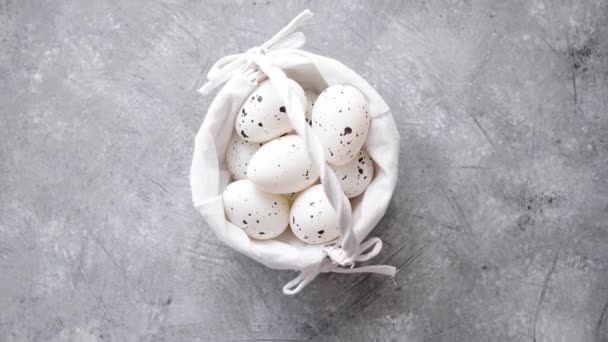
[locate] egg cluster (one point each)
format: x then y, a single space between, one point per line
275 181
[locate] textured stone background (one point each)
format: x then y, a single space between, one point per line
499 224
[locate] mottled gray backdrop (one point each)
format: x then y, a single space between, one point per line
499 225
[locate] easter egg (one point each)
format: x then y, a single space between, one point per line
261 215
311 98
355 176
238 154
263 116
340 119
282 166
312 218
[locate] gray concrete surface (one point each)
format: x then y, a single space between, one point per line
499 225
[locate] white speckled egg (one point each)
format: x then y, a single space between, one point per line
311 98
263 117
282 166
261 215
341 120
355 175
312 218
238 154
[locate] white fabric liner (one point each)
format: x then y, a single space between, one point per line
276 59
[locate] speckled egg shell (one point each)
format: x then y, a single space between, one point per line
261 215
263 116
282 166
355 175
238 154
311 98
312 218
341 120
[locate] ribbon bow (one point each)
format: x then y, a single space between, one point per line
228 66
338 258
349 249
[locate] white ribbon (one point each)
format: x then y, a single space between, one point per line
228 66
337 255
255 63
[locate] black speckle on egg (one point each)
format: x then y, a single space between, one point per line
320 232
257 221
282 109
360 159
261 233
244 135
343 178
245 222
312 203
259 99
260 124
347 130
360 170
244 112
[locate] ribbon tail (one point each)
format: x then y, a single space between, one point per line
379 269
223 70
303 279
206 88
305 17
374 242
